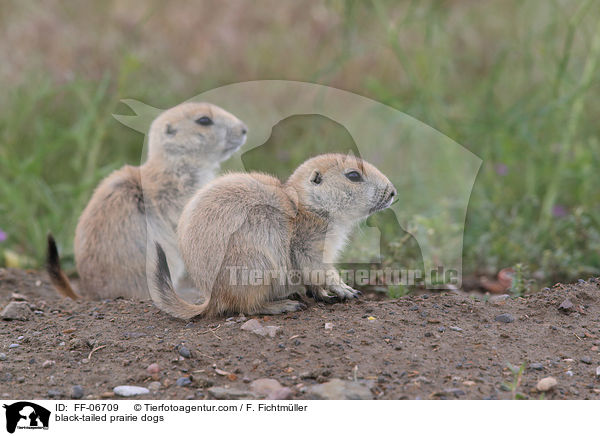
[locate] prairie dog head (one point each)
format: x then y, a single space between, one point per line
195 132
344 187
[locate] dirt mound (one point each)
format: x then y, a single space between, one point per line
427 346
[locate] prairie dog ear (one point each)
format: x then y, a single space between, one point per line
316 178
170 130
350 159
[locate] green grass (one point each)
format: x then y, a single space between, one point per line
514 385
514 82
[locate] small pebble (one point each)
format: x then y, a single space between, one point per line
184 352
569 373
13 346
130 391
3 357
598 371
183 381
337 389
265 386
587 360
16 310
254 326
505 317
76 392
546 384
536 366
455 328
566 305
153 369
328 326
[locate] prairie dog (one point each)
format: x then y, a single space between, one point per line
254 222
133 205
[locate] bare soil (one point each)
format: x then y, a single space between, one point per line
427 346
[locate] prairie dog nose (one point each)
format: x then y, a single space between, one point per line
392 194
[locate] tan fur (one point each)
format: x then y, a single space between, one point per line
112 233
254 221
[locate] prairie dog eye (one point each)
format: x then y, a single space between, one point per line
354 176
204 121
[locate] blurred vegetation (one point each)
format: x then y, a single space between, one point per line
514 82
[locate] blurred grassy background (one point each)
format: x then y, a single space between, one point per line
515 82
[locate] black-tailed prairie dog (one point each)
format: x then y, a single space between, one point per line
134 205
242 233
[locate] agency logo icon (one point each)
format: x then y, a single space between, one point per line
26 415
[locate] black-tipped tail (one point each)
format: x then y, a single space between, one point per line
163 293
162 277
57 276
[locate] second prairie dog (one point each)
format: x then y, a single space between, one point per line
254 222
133 205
